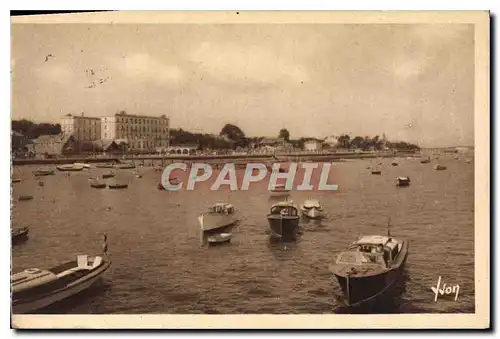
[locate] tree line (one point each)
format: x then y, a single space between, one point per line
230 137
33 130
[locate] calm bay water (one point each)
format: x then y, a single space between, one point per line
160 267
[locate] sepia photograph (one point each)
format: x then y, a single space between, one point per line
283 169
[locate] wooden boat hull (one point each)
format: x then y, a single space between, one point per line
16 180
117 186
218 239
403 183
283 227
359 291
376 172
25 197
108 175
33 304
98 185
209 222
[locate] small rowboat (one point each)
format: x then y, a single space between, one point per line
97 184
439 167
117 186
394 163
125 166
279 190
104 166
377 172
69 168
82 165
108 175
403 181
25 197
43 172
14 180
219 238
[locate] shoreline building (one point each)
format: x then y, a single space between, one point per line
141 132
82 128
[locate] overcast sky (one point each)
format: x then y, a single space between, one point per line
412 82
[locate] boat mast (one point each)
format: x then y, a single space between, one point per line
389 227
348 292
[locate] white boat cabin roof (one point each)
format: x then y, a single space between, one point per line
288 203
377 240
311 203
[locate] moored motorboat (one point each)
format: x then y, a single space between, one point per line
43 172
34 288
311 208
369 267
279 190
69 168
125 166
108 175
283 221
105 166
439 167
219 238
19 235
97 184
219 215
116 185
403 181
87 166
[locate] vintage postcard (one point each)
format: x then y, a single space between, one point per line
250 170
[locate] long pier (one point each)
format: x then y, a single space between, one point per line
247 158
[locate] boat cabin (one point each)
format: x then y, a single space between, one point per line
221 208
285 209
311 204
374 249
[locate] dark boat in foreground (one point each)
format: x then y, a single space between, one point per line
19 235
369 267
283 221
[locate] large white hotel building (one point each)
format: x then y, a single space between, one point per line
140 132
